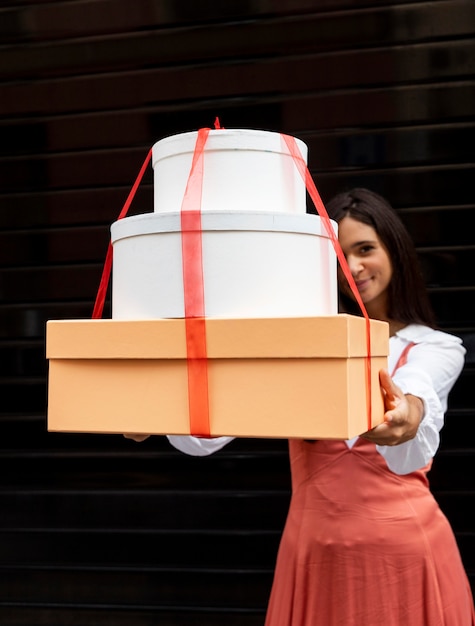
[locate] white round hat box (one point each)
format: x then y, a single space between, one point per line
243 170
255 264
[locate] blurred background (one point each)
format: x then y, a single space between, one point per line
97 529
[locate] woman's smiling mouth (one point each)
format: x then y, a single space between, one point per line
362 284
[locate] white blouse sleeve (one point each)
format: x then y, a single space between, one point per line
433 365
198 446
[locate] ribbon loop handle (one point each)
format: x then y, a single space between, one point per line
322 212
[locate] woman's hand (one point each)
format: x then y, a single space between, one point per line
402 417
136 437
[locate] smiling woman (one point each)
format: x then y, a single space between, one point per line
362 516
369 264
382 259
382 529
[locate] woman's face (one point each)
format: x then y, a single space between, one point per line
369 265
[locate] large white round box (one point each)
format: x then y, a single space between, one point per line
243 170
254 265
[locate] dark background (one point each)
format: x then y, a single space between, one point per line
101 530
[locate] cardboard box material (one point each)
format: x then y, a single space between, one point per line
274 377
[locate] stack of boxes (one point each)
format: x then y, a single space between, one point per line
279 359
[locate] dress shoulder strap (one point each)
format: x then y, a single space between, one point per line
403 358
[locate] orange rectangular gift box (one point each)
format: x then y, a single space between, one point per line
274 377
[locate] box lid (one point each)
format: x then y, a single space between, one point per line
220 221
231 139
337 336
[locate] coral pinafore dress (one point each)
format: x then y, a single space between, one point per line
363 546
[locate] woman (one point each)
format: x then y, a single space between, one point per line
365 543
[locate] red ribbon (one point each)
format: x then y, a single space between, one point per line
322 212
102 291
193 281
193 285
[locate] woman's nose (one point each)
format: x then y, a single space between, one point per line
355 265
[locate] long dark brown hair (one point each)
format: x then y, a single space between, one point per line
408 300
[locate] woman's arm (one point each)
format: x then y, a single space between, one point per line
409 439
198 446
194 446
